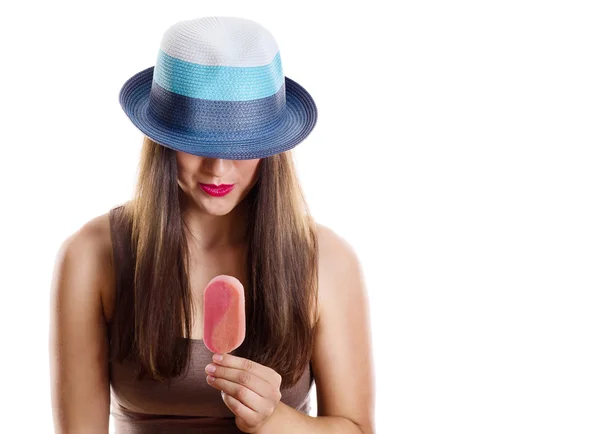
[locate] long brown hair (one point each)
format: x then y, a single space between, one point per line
154 306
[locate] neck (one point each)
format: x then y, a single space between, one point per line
206 232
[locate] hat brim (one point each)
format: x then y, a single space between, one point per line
298 120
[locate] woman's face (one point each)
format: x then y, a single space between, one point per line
194 169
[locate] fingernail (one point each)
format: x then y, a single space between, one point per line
218 357
210 368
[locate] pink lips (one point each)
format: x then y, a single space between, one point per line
215 190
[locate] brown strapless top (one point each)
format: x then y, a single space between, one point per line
188 404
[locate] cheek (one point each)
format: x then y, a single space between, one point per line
187 164
181 170
252 175
186 170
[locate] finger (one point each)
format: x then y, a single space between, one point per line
250 417
248 379
264 372
246 396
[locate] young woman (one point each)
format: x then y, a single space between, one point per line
217 193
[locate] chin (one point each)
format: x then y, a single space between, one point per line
216 210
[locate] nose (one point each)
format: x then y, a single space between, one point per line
216 167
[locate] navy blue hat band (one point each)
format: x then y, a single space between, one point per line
200 115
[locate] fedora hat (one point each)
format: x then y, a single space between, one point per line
218 90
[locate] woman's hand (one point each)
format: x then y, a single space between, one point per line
249 389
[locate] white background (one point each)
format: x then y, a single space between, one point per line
461 139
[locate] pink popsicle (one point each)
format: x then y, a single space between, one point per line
224 314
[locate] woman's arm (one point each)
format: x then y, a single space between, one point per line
342 355
78 342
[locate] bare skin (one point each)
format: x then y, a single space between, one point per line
83 297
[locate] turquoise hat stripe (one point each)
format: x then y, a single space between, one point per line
218 83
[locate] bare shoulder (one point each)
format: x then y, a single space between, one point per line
96 233
94 237
334 250
337 260
336 257
342 352
92 232
78 339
